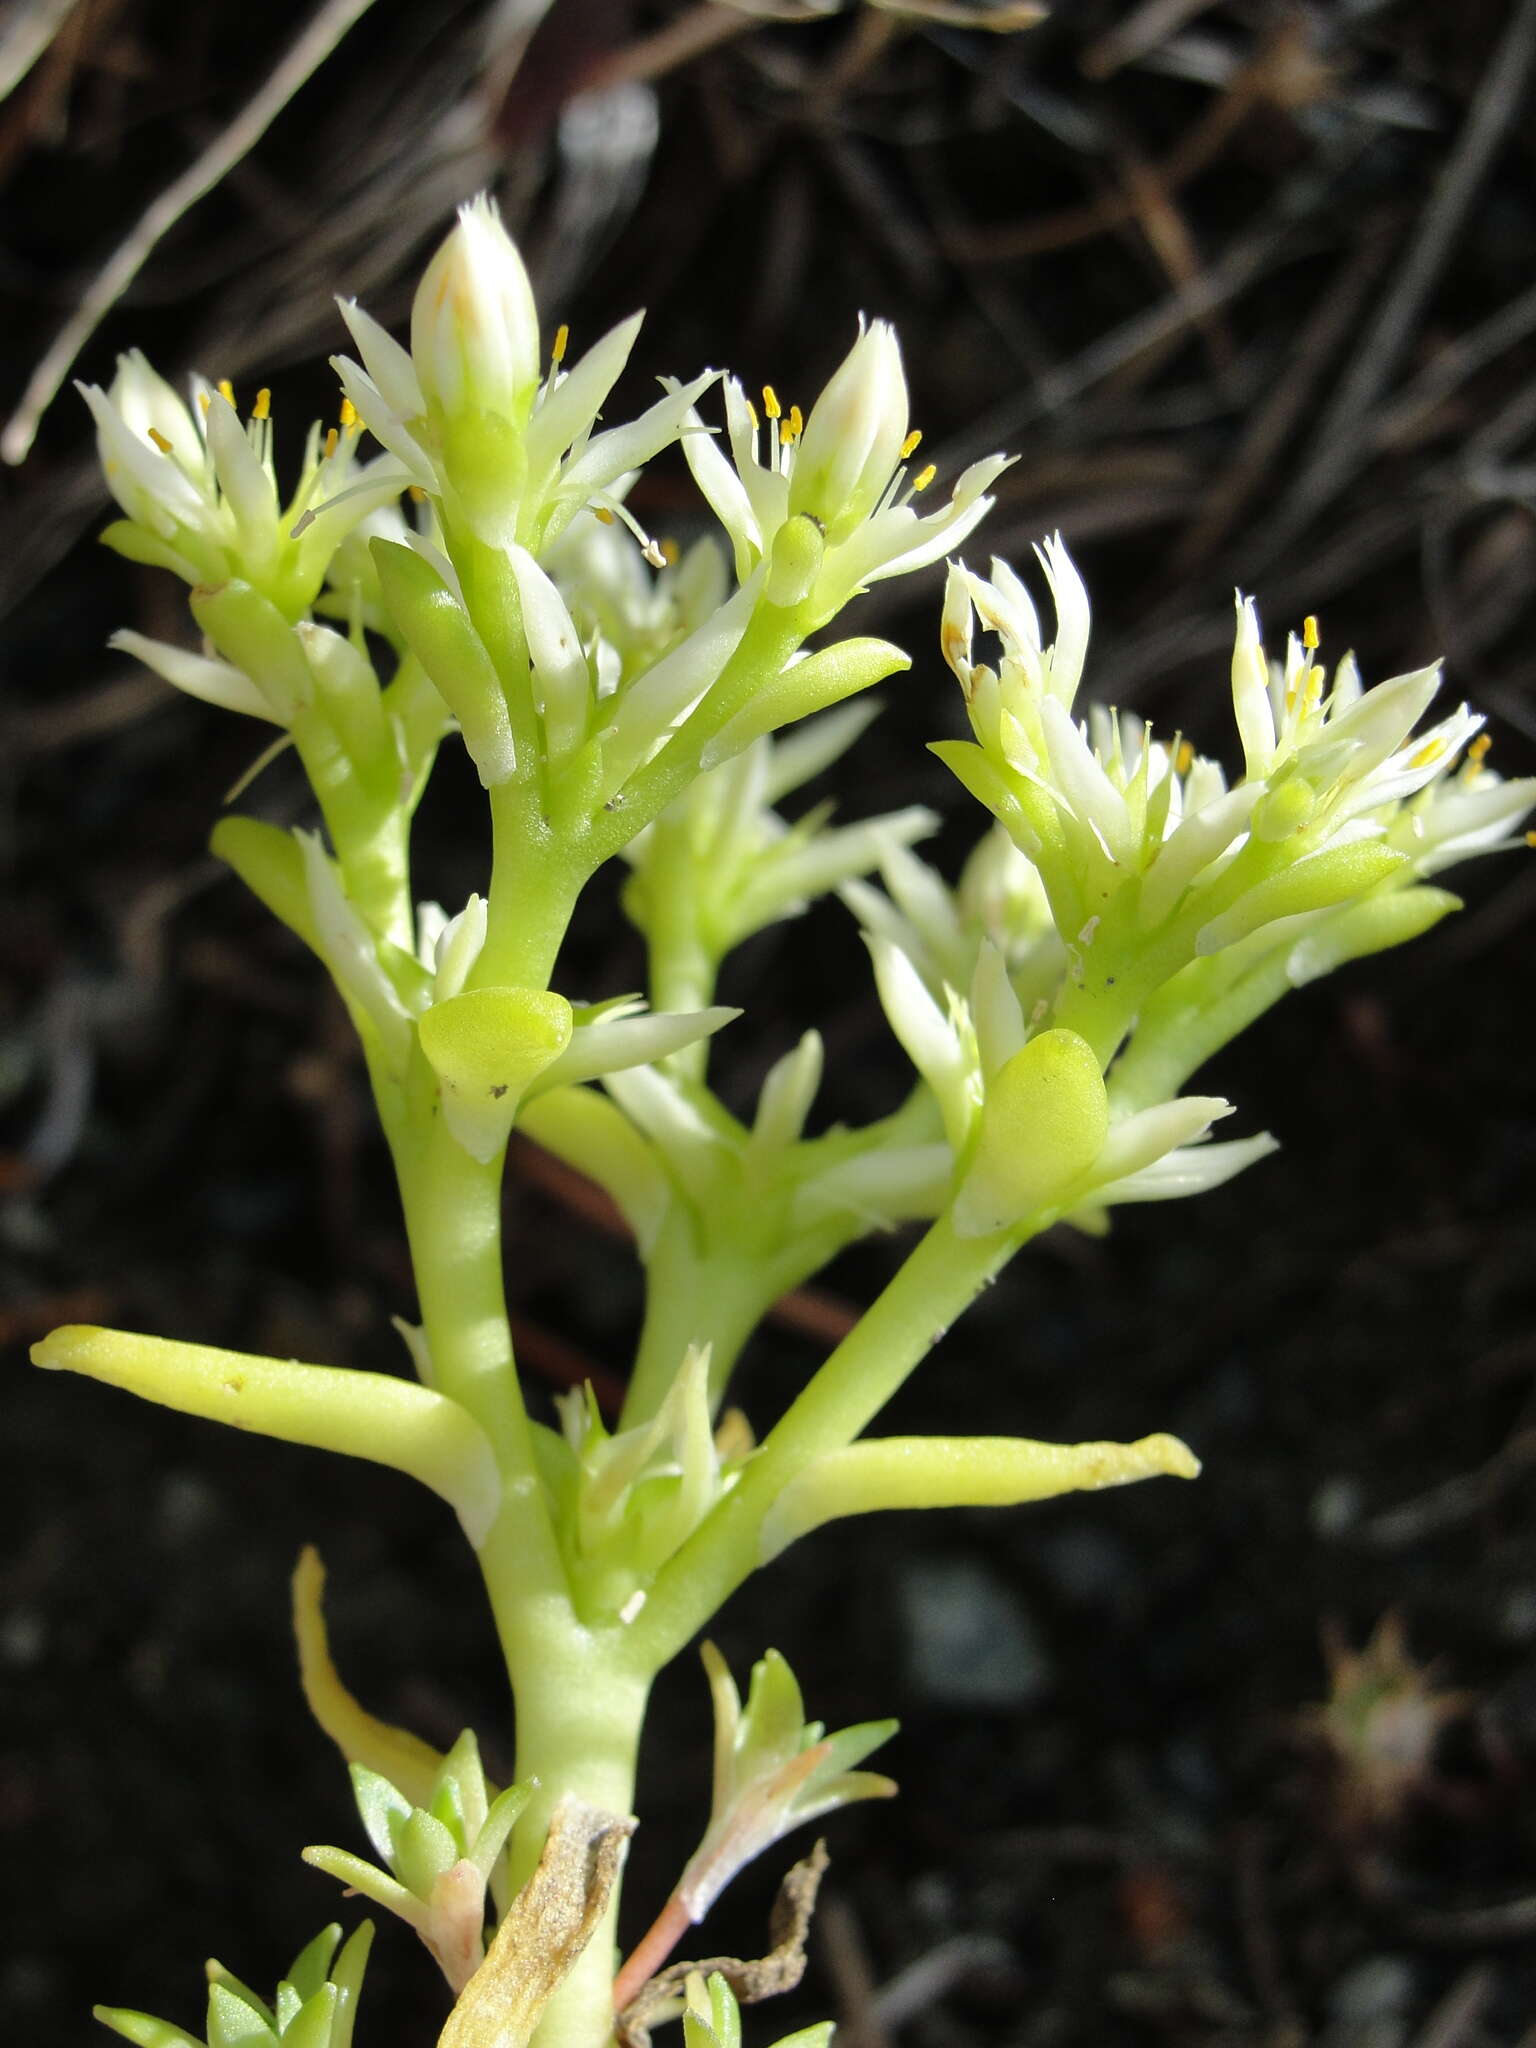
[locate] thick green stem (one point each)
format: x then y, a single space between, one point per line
453 1219
941 1278
535 880
580 1707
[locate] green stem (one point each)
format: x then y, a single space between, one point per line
370 831
453 1220
941 1278
535 880
773 634
692 1297
580 1708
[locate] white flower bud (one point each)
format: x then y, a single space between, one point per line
853 438
474 326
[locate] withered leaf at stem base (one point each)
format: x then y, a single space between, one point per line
546 1928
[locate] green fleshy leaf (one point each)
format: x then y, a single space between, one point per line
143 2030
232 2023
311 1967
311 2028
382 1808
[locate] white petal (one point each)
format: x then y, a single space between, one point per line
387 363
1139 1141
785 1099
614 1043
215 682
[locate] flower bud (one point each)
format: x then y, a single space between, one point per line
474 327
854 436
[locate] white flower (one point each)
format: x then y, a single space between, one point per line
467 414
200 492
847 467
474 326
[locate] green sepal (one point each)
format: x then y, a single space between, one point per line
270 863
440 634
1044 1120
250 631
794 562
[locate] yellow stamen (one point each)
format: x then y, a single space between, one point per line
348 413
1480 746
226 391
771 404
416 494
160 441
331 438
909 446
1310 636
262 408
752 414
786 433
1184 759
205 402
604 514
796 422
1315 681
924 477
670 552
1530 838
558 346
1430 751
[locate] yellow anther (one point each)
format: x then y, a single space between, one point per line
786 433
909 446
771 404
1184 759
796 422
1315 682
331 438
1430 751
924 477
669 552
604 514
205 402
263 406
160 441
1530 838
1310 637
1480 746
416 494
226 391
558 346
752 414
348 413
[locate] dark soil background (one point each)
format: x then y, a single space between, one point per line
1249 286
